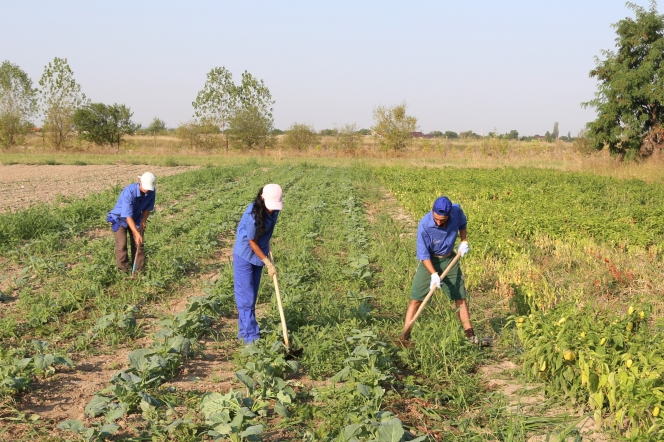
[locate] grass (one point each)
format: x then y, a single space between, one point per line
475 154
346 261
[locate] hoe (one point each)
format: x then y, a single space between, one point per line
289 351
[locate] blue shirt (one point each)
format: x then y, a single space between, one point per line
246 230
439 240
131 204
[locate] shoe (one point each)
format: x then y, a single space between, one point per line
486 341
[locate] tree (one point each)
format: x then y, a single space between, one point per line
436 134
17 104
630 95
512 135
250 128
348 138
218 100
450 135
555 132
102 124
393 128
59 97
300 137
155 128
328 132
547 137
252 121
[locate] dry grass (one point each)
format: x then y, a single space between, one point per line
486 153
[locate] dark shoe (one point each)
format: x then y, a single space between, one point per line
486 341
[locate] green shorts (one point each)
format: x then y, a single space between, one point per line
452 284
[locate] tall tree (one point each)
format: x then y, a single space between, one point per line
59 97
155 128
218 100
104 124
17 104
630 95
393 128
555 132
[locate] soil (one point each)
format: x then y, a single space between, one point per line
23 185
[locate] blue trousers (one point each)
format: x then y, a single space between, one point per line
246 278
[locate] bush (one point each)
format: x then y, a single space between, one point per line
300 137
199 135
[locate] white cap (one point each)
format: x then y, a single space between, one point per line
147 181
272 195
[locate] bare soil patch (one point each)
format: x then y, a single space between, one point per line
22 186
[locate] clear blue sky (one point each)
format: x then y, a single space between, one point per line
459 65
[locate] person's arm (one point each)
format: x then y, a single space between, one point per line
271 269
144 220
138 238
462 235
257 250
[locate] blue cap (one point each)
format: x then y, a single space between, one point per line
442 206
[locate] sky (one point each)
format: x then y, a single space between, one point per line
479 65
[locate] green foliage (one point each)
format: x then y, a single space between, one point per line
218 100
249 128
393 128
202 135
17 371
612 362
300 137
17 104
347 138
104 124
630 96
59 96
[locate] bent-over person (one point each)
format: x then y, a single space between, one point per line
130 216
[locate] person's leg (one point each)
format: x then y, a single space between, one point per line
121 249
464 317
419 291
410 314
243 276
453 285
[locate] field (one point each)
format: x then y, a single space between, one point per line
564 273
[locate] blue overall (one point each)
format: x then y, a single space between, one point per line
247 269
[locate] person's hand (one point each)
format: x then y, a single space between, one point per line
463 248
271 269
143 226
138 238
435 280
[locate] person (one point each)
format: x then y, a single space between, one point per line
130 215
436 234
250 255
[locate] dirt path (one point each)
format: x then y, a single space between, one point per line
24 185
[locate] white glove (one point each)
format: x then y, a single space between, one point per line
271 269
463 248
435 280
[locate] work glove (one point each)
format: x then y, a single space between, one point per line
271 269
463 248
435 280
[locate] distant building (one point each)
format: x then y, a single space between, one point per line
421 135
538 137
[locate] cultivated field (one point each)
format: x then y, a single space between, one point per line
564 273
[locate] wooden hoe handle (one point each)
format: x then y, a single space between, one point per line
430 294
281 307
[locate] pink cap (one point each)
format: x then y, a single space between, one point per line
272 195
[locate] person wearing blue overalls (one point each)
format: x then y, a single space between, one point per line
436 234
130 215
250 255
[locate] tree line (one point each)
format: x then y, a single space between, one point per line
629 102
